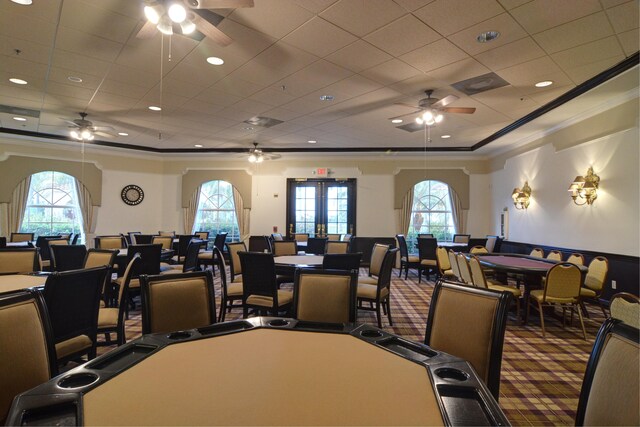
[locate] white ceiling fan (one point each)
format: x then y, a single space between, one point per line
187 16
432 109
84 130
256 155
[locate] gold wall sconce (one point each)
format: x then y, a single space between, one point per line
584 189
521 196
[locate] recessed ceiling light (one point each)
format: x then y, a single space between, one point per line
20 119
544 83
23 2
123 134
312 141
154 108
396 121
74 79
488 36
198 146
18 81
247 128
445 136
214 60
326 97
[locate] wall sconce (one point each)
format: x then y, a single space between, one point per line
521 196
585 188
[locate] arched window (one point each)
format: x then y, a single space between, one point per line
431 211
52 205
216 210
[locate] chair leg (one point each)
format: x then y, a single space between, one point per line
400 272
378 315
541 318
388 303
604 313
406 271
419 274
518 320
584 333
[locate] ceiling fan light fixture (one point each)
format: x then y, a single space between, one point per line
165 26
438 118
187 26
419 120
76 135
396 121
20 119
177 13
260 159
252 158
152 13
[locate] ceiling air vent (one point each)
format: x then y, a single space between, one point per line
479 84
265 122
411 127
16 111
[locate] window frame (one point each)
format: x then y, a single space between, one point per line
450 227
234 233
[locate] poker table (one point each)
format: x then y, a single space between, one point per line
265 371
14 282
287 264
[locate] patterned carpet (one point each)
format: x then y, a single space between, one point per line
541 377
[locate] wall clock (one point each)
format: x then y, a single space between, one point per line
132 195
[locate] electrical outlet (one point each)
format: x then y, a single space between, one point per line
614 285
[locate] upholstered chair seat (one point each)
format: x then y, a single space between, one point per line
411 258
538 294
429 262
586 292
108 317
367 280
73 345
369 291
206 255
235 289
284 297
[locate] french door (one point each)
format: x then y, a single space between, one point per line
321 206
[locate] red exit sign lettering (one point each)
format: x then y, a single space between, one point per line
322 171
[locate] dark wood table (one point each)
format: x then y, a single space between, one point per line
340 375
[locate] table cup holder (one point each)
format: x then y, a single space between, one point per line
371 333
451 374
179 335
78 380
278 322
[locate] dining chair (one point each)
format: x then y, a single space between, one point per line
453 261
375 264
426 236
378 294
537 253
469 322
235 267
27 358
67 257
492 243
208 257
230 291
300 237
181 250
3 242
444 264
407 261
167 233
334 237
478 241
576 258
19 260
42 242
427 255
277 236
144 239
21 237
347 237
325 296
109 242
259 286
316 245
610 389
349 261
461 238
335 247
626 308
561 287
202 235
176 302
463 266
480 280
478 250
191 259
284 248
554 256
594 283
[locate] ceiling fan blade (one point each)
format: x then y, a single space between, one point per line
147 31
104 129
461 110
406 105
210 30
105 134
74 124
403 115
219 4
445 101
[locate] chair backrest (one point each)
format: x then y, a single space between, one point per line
22 237
110 242
491 243
235 267
384 278
478 250
167 233
277 236
555 256
453 309
217 254
183 243
626 308
402 246
202 235
3 242
191 258
67 257
19 260
563 281
461 238
149 259
347 237
123 289
425 236
454 264
74 241
477 241
258 275
300 237
73 301
597 274
377 257
576 258
175 302
537 252
100 257
463 266
610 389
334 237
337 247
477 275
165 241
42 242
316 245
144 239
219 241
442 257
325 296
349 262
427 248
259 244
28 357
285 247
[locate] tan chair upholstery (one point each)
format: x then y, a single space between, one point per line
454 307
610 394
537 252
555 256
626 308
27 358
167 233
325 296
407 260
334 237
301 237
177 302
21 237
576 258
235 267
594 282
230 292
99 257
284 248
377 256
165 241
463 266
561 287
202 235
478 250
480 280
23 260
453 261
444 264
109 242
377 293
259 286
46 263
491 243
337 247
461 238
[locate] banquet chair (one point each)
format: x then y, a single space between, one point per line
202 235
478 241
111 318
284 248
478 250
335 247
300 237
610 389
555 256
167 233
19 260
347 237
48 243
491 243
235 267
73 302
453 261
67 257
375 264
537 253
181 250
27 358
316 245
277 236
74 240
165 241
576 258
259 244
461 238
149 264
334 237
407 261
191 261
378 294
325 296
144 239
463 267
444 264
259 286
427 255
342 261
230 292
626 308
594 283
209 257
21 237
42 242
109 242
176 302
562 287
425 236
99 258
454 307
130 236
480 280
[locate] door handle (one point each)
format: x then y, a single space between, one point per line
290 230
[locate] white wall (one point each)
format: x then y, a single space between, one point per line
610 225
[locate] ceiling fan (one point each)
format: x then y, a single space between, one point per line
256 155
433 108
186 16
84 130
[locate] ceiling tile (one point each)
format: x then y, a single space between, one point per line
458 71
350 87
237 87
29 51
540 15
27 27
511 54
285 57
584 72
450 16
612 3
360 17
434 55
71 40
544 96
315 6
205 109
61 75
315 76
511 4
358 56
216 96
88 18
629 41
414 87
17 67
625 16
44 10
403 35
588 53
110 101
527 74
276 19
411 5
319 37
508 28
391 72
258 74
247 42
196 74
574 33
124 74
272 96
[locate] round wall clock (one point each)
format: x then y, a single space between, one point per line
132 195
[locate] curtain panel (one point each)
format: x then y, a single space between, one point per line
86 207
405 213
18 205
456 211
242 215
191 210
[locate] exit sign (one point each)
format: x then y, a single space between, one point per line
322 172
